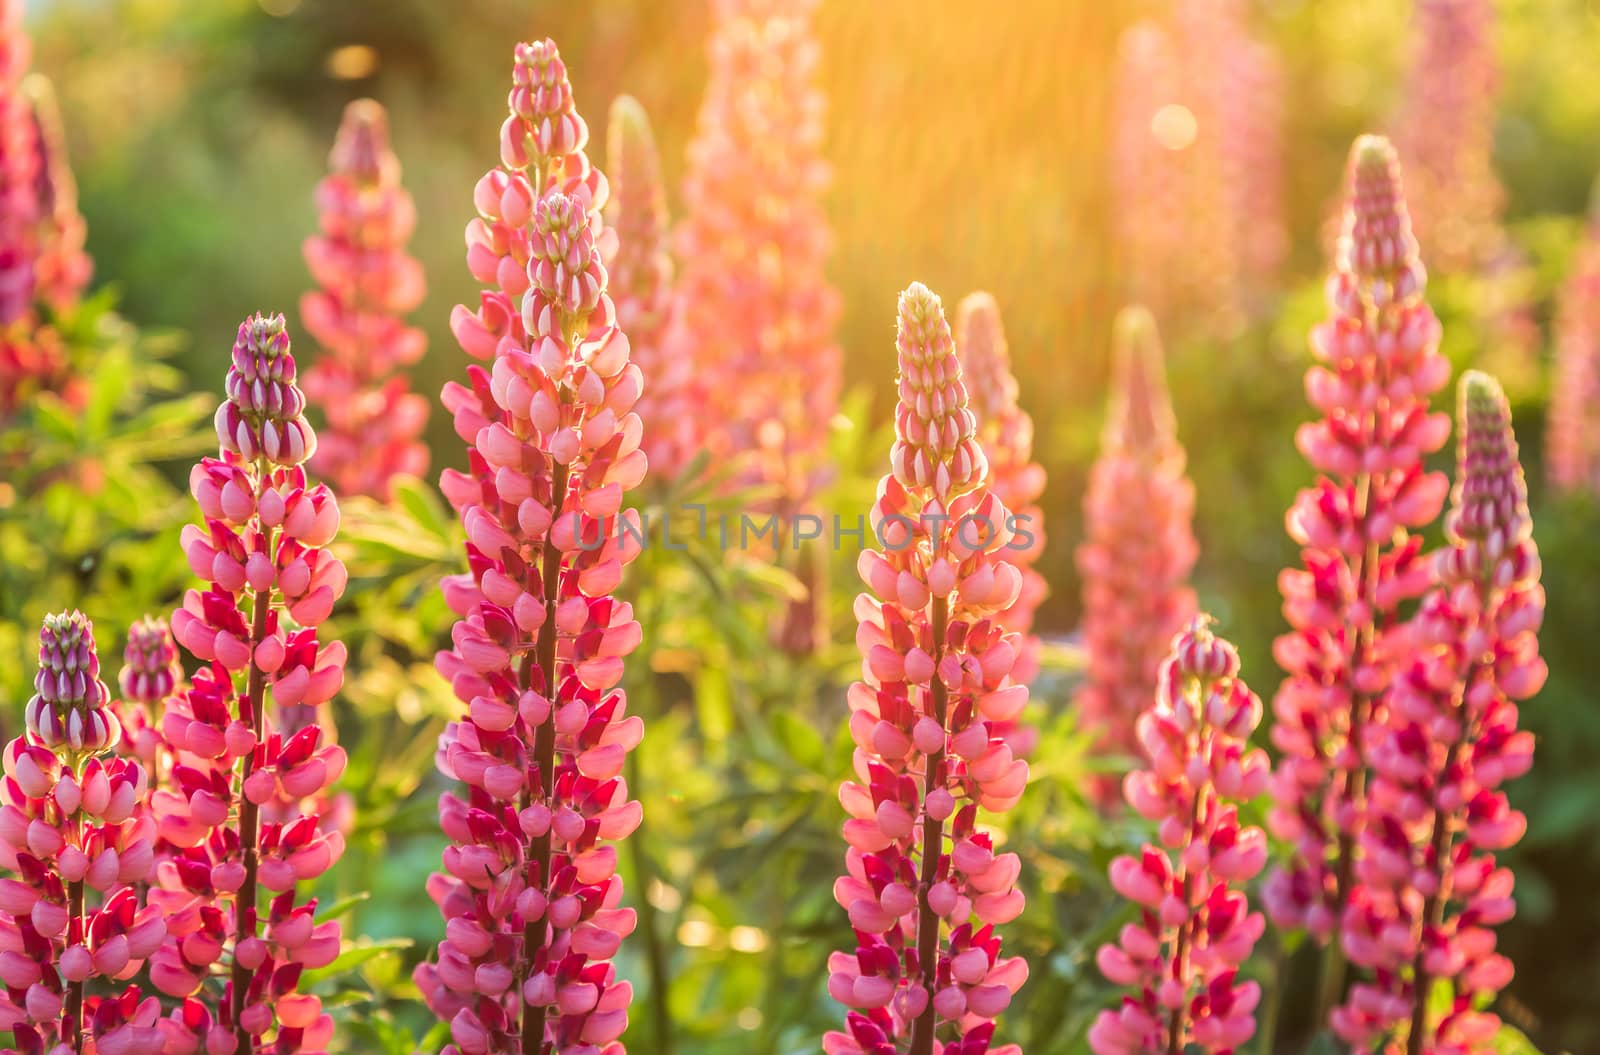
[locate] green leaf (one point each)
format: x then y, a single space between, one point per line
342 906
355 955
1512 1041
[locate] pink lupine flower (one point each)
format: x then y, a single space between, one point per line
19 169
1572 436
1005 432
1378 364
1181 957
1197 161
1139 549
530 891
1429 890
752 304
73 835
366 285
61 268
641 287
238 809
936 683
1445 134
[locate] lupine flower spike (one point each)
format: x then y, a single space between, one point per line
74 837
1378 362
150 675
641 286
366 285
1005 431
19 168
61 267
753 306
238 811
1197 152
1429 889
1572 436
1181 957
530 891
1140 547
925 888
1445 133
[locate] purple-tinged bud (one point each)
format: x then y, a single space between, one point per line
68 709
150 667
1376 245
264 415
935 432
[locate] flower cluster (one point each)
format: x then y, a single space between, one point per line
530 891
61 268
366 284
641 287
238 808
1197 155
1572 437
19 168
1428 887
936 681
1182 956
73 835
1379 363
1139 549
752 305
1005 432
1445 134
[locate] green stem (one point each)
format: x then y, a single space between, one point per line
544 754
932 848
244 907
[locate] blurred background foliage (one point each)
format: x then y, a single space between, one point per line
968 144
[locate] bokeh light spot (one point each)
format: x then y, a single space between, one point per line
1174 126
352 62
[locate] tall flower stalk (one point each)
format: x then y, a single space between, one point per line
61 268
925 888
752 305
1005 431
1429 889
640 268
1445 133
239 807
1140 546
1572 436
1181 957
1198 161
366 285
530 893
72 832
19 169
1378 362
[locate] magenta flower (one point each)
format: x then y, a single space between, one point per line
19 169
1445 134
366 285
1428 889
752 305
1005 432
936 681
239 809
530 891
61 268
1139 549
641 287
1181 958
1378 364
74 836
1572 436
